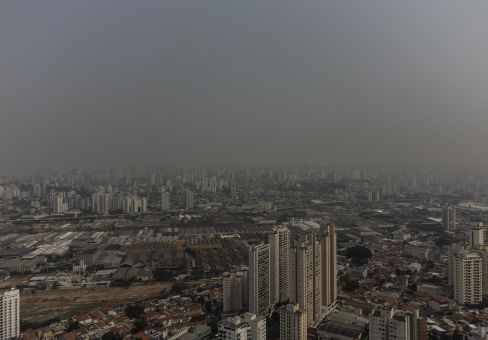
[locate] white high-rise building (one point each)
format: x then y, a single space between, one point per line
235 290
327 238
391 324
134 204
248 326
259 279
305 277
466 275
449 218
59 205
165 201
279 243
105 204
293 323
9 314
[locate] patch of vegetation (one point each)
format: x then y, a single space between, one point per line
359 255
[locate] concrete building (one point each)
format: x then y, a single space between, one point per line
328 242
259 279
466 275
293 323
449 218
247 326
391 324
235 291
342 326
279 243
165 201
188 199
477 237
305 277
59 206
9 314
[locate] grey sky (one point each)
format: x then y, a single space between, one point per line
118 83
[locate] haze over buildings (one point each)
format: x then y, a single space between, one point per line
120 83
243 170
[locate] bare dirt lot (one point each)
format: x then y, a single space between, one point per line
43 305
13 281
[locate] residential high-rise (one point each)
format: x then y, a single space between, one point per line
466 275
477 237
293 323
305 277
391 324
449 218
279 243
259 279
106 204
59 205
247 326
165 201
9 314
235 290
188 197
327 238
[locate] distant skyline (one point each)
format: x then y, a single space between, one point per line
187 83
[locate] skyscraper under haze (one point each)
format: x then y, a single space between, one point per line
449 218
279 243
165 201
188 199
305 277
259 279
327 238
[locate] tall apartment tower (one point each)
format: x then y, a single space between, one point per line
9 314
58 206
279 243
477 237
466 275
259 279
188 197
293 323
449 218
305 277
235 290
165 201
327 238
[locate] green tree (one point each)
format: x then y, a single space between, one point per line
350 285
72 325
358 254
112 336
139 325
134 311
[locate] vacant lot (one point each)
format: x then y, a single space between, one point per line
42 305
13 281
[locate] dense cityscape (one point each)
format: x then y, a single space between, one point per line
243 253
243 170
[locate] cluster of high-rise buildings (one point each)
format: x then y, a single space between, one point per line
292 274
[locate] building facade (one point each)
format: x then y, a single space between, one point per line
293 323
259 279
9 314
279 243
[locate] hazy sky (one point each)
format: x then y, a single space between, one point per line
118 83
